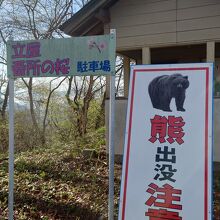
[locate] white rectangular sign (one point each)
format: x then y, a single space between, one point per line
167 168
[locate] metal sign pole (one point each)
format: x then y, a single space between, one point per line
111 147
11 150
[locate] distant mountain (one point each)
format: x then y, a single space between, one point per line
20 107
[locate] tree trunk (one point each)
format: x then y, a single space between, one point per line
81 111
100 119
85 108
30 88
33 117
5 103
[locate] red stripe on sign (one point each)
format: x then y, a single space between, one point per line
206 145
128 146
206 134
169 69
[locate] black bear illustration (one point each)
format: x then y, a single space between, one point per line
163 88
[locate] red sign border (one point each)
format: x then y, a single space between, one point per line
206 69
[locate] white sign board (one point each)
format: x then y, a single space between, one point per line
167 168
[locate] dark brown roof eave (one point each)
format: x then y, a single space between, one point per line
77 24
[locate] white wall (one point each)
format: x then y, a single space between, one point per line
120 123
217 130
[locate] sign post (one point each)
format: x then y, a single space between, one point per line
81 56
111 148
11 148
167 169
111 144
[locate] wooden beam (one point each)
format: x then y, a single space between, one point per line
89 29
146 57
103 15
126 64
210 51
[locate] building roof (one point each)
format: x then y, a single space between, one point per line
89 20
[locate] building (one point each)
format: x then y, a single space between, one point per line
155 32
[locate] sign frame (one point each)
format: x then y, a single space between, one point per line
75 56
128 160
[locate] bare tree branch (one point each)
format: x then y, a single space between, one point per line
48 102
2 36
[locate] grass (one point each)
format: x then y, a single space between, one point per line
58 182
216 196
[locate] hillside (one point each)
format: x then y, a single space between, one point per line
58 182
